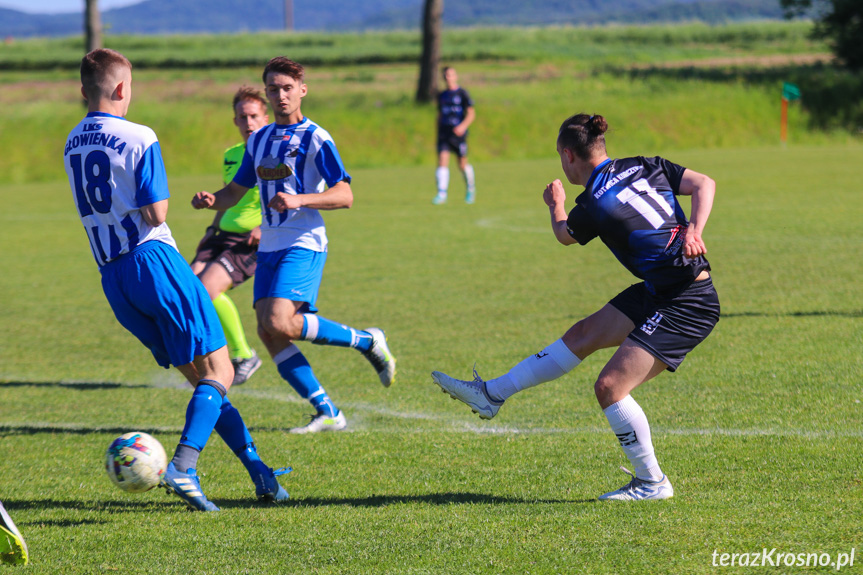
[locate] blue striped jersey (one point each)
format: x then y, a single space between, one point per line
631 205
115 167
297 159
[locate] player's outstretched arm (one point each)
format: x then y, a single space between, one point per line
702 189
221 200
554 197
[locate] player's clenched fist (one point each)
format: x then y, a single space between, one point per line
282 202
554 194
203 200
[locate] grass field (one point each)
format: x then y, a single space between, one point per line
760 429
723 83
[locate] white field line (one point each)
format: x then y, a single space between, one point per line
448 423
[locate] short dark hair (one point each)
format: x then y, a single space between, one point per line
249 93
583 134
444 70
97 66
283 65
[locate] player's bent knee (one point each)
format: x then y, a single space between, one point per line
606 392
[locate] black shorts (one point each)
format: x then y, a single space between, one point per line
449 142
669 328
232 251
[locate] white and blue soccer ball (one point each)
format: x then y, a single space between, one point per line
136 462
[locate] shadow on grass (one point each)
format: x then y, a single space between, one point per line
99 506
857 313
173 503
386 500
10 429
80 386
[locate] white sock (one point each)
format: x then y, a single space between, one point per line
629 424
469 178
551 363
442 177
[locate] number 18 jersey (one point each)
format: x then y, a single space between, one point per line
115 168
631 205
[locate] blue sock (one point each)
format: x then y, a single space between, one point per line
233 431
202 414
295 369
323 331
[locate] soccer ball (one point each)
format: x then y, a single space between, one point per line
136 462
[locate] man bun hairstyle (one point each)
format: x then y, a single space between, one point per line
583 134
283 65
98 68
249 93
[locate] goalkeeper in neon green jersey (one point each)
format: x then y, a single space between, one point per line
227 254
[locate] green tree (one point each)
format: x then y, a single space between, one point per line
840 22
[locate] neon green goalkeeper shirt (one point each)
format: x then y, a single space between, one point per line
246 215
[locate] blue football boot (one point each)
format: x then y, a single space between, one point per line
267 487
188 487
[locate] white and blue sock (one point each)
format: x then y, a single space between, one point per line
322 331
551 363
629 424
295 369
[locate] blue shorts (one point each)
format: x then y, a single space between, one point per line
294 274
669 328
155 295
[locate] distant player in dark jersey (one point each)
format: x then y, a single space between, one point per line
455 115
227 254
631 205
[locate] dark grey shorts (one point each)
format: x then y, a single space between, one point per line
669 328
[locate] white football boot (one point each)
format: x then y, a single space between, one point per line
473 393
380 357
323 422
640 489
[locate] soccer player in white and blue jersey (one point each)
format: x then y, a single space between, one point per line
631 205
120 189
299 172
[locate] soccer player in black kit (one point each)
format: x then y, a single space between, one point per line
455 115
631 205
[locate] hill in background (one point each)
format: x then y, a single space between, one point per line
205 16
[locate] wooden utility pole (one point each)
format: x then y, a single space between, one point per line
432 25
92 26
289 15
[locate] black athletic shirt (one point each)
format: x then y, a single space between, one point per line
453 105
631 205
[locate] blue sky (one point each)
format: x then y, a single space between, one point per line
59 6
